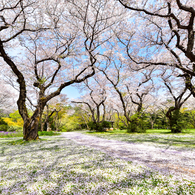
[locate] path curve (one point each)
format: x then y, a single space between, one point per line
178 162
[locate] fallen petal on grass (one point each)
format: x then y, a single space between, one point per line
60 166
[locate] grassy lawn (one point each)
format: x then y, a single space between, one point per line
55 165
20 134
158 137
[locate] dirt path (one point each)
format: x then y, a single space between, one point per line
169 161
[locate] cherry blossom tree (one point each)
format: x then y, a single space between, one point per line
59 43
94 98
168 31
7 98
179 95
153 110
130 86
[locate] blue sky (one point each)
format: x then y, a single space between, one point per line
71 92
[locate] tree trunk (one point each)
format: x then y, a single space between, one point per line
31 125
173 114
30 129
57 123
42 123
152 124
48 126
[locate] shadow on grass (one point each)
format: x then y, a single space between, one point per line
61 167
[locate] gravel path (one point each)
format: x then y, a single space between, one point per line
178 162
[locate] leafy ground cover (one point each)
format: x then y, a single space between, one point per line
10 134
158 137
56 165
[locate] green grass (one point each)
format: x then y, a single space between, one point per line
161 131
124 131
11 134
166 131
148 131
115 131
158 137
48 133
20 141
20 134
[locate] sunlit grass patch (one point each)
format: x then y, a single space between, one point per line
4 134
48 133
162 131
115 131
159 138
59 166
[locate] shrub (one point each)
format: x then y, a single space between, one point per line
2 122
99 127
47 133
83 126
3 127
63 129
14 128
9 121
120 125
68 124
106 124
177 123
92 125
137 125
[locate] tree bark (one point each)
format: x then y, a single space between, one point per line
31 124
152 124
30 129
174 117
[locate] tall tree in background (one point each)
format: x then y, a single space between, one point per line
131 87
94 99
179 95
